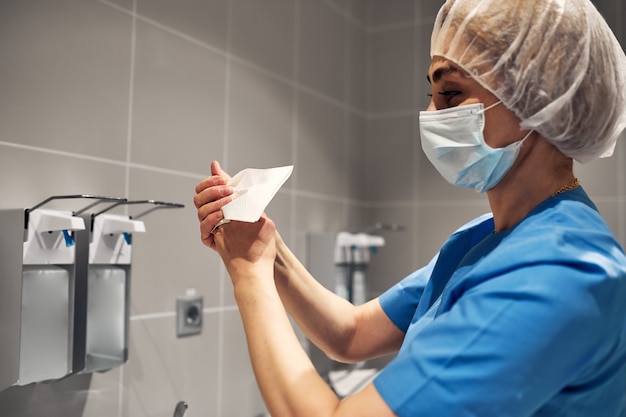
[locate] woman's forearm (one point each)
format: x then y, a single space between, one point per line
328 320
288 381
344 332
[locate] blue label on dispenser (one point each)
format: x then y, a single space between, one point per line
69 240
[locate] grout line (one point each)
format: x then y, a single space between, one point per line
222 270
346 119
131 87
131 98
295 121
347 88
101 160
387 27
220 359
391 27
369 144
153 316
393 114
120 393
62 153
326 197
170 314
415 183
348 17
167 171
227 92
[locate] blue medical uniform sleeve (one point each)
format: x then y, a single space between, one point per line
507 345
400 301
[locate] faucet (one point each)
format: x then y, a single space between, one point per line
181 409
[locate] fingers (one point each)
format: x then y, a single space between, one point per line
212 181
211 199
208 227
212 188
212 194
206 234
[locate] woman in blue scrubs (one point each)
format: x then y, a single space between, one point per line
523 311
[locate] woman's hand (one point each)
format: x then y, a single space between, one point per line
247 249
212 194
240 245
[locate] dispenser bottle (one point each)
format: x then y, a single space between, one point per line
359 268
343 265
363 246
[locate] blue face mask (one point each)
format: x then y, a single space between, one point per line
453 142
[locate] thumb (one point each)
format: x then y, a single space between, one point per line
216 169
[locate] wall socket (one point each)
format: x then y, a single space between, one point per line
189 315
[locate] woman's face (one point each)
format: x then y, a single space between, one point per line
451 86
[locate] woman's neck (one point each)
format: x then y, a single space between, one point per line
541 170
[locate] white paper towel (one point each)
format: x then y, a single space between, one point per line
254 189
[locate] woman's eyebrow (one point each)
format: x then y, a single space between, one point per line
440 72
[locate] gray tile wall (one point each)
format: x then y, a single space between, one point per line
134 98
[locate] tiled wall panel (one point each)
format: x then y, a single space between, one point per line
134 98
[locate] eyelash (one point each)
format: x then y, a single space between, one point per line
447 93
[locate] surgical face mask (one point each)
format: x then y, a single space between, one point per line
453 142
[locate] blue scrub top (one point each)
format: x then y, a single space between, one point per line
526 322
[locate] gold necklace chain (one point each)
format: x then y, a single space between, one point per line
567 187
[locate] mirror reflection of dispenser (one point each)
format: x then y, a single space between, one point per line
352 258
339 261
342 264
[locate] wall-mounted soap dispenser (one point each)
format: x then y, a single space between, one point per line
108 241
64 289
37 277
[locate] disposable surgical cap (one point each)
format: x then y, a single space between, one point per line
555 63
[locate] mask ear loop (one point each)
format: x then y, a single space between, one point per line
530 132
491 106
521 141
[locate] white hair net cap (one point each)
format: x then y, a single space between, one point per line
555 63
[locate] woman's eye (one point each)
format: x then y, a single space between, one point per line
449 94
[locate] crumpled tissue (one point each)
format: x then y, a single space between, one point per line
254 189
